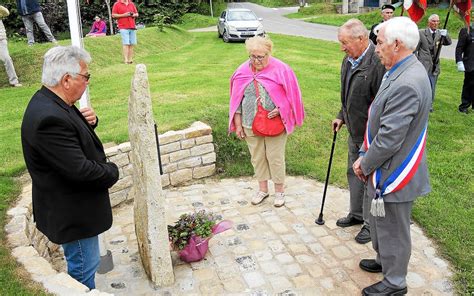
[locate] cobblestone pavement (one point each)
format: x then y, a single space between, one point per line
269 250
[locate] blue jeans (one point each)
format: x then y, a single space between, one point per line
83 258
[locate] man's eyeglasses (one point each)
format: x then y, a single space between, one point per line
258 58
86 76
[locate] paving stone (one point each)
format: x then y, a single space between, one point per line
246 263
414 280
303 281
280 283
254 279
270 267
317 248
329 241
293 269
297 248
276 246
234 285
279 227
342 252
304 259
204 274
284 258
263 255
315 270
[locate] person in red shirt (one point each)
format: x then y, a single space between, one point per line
125 12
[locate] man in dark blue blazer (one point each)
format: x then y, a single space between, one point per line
67 163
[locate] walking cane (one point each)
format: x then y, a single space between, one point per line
320 220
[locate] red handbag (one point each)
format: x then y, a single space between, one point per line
262 125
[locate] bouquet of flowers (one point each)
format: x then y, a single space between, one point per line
191 233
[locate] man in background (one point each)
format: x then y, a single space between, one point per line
465 63
125 12
30 12
386 11
4 54
430 38
67 163
361 75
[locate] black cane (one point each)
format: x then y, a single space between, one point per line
320 220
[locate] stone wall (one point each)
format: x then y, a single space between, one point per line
186 155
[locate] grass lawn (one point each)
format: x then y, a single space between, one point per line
189 81
321 14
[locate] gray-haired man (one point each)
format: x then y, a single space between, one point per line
67 163
393 158
361 75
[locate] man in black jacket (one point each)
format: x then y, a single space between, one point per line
361 75
386 11
67 163
465 63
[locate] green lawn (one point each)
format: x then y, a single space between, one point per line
189 81
323 14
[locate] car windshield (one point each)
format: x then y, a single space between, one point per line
241 16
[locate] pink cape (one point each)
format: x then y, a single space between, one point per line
281 84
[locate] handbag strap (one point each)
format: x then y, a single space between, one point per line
257 91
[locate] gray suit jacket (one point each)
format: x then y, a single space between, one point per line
427 48
398 116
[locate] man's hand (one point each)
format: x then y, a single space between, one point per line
443 32
89 115
460 65
336 124
275 112
239 132
358 170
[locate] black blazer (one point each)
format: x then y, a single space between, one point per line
70 174
465 48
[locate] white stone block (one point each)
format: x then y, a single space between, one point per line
17 211
209 158
168 148
170 136
169 168
165 159
197 129
111 151
127 170
178 155
202 149
204 140
125 182
120 159
64 284
185 144
204 171
181 176
118 197
189 163
125 147
165 180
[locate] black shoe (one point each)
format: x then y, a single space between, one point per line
370 265
464 111
380 289
363 236
348 221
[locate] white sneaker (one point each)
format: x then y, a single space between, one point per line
259 197
279 199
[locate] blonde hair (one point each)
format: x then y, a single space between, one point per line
259 42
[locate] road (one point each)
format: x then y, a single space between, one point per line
275 22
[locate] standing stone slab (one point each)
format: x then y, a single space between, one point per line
149 201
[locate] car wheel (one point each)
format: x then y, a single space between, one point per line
225 36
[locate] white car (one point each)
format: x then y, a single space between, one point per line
236 24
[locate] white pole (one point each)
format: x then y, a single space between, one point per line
210 4
75 29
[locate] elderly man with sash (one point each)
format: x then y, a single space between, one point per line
393 158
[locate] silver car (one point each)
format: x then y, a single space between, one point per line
239 24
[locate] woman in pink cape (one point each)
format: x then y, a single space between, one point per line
280 94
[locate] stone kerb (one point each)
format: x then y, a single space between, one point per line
186 155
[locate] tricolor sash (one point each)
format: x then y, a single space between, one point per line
400 177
